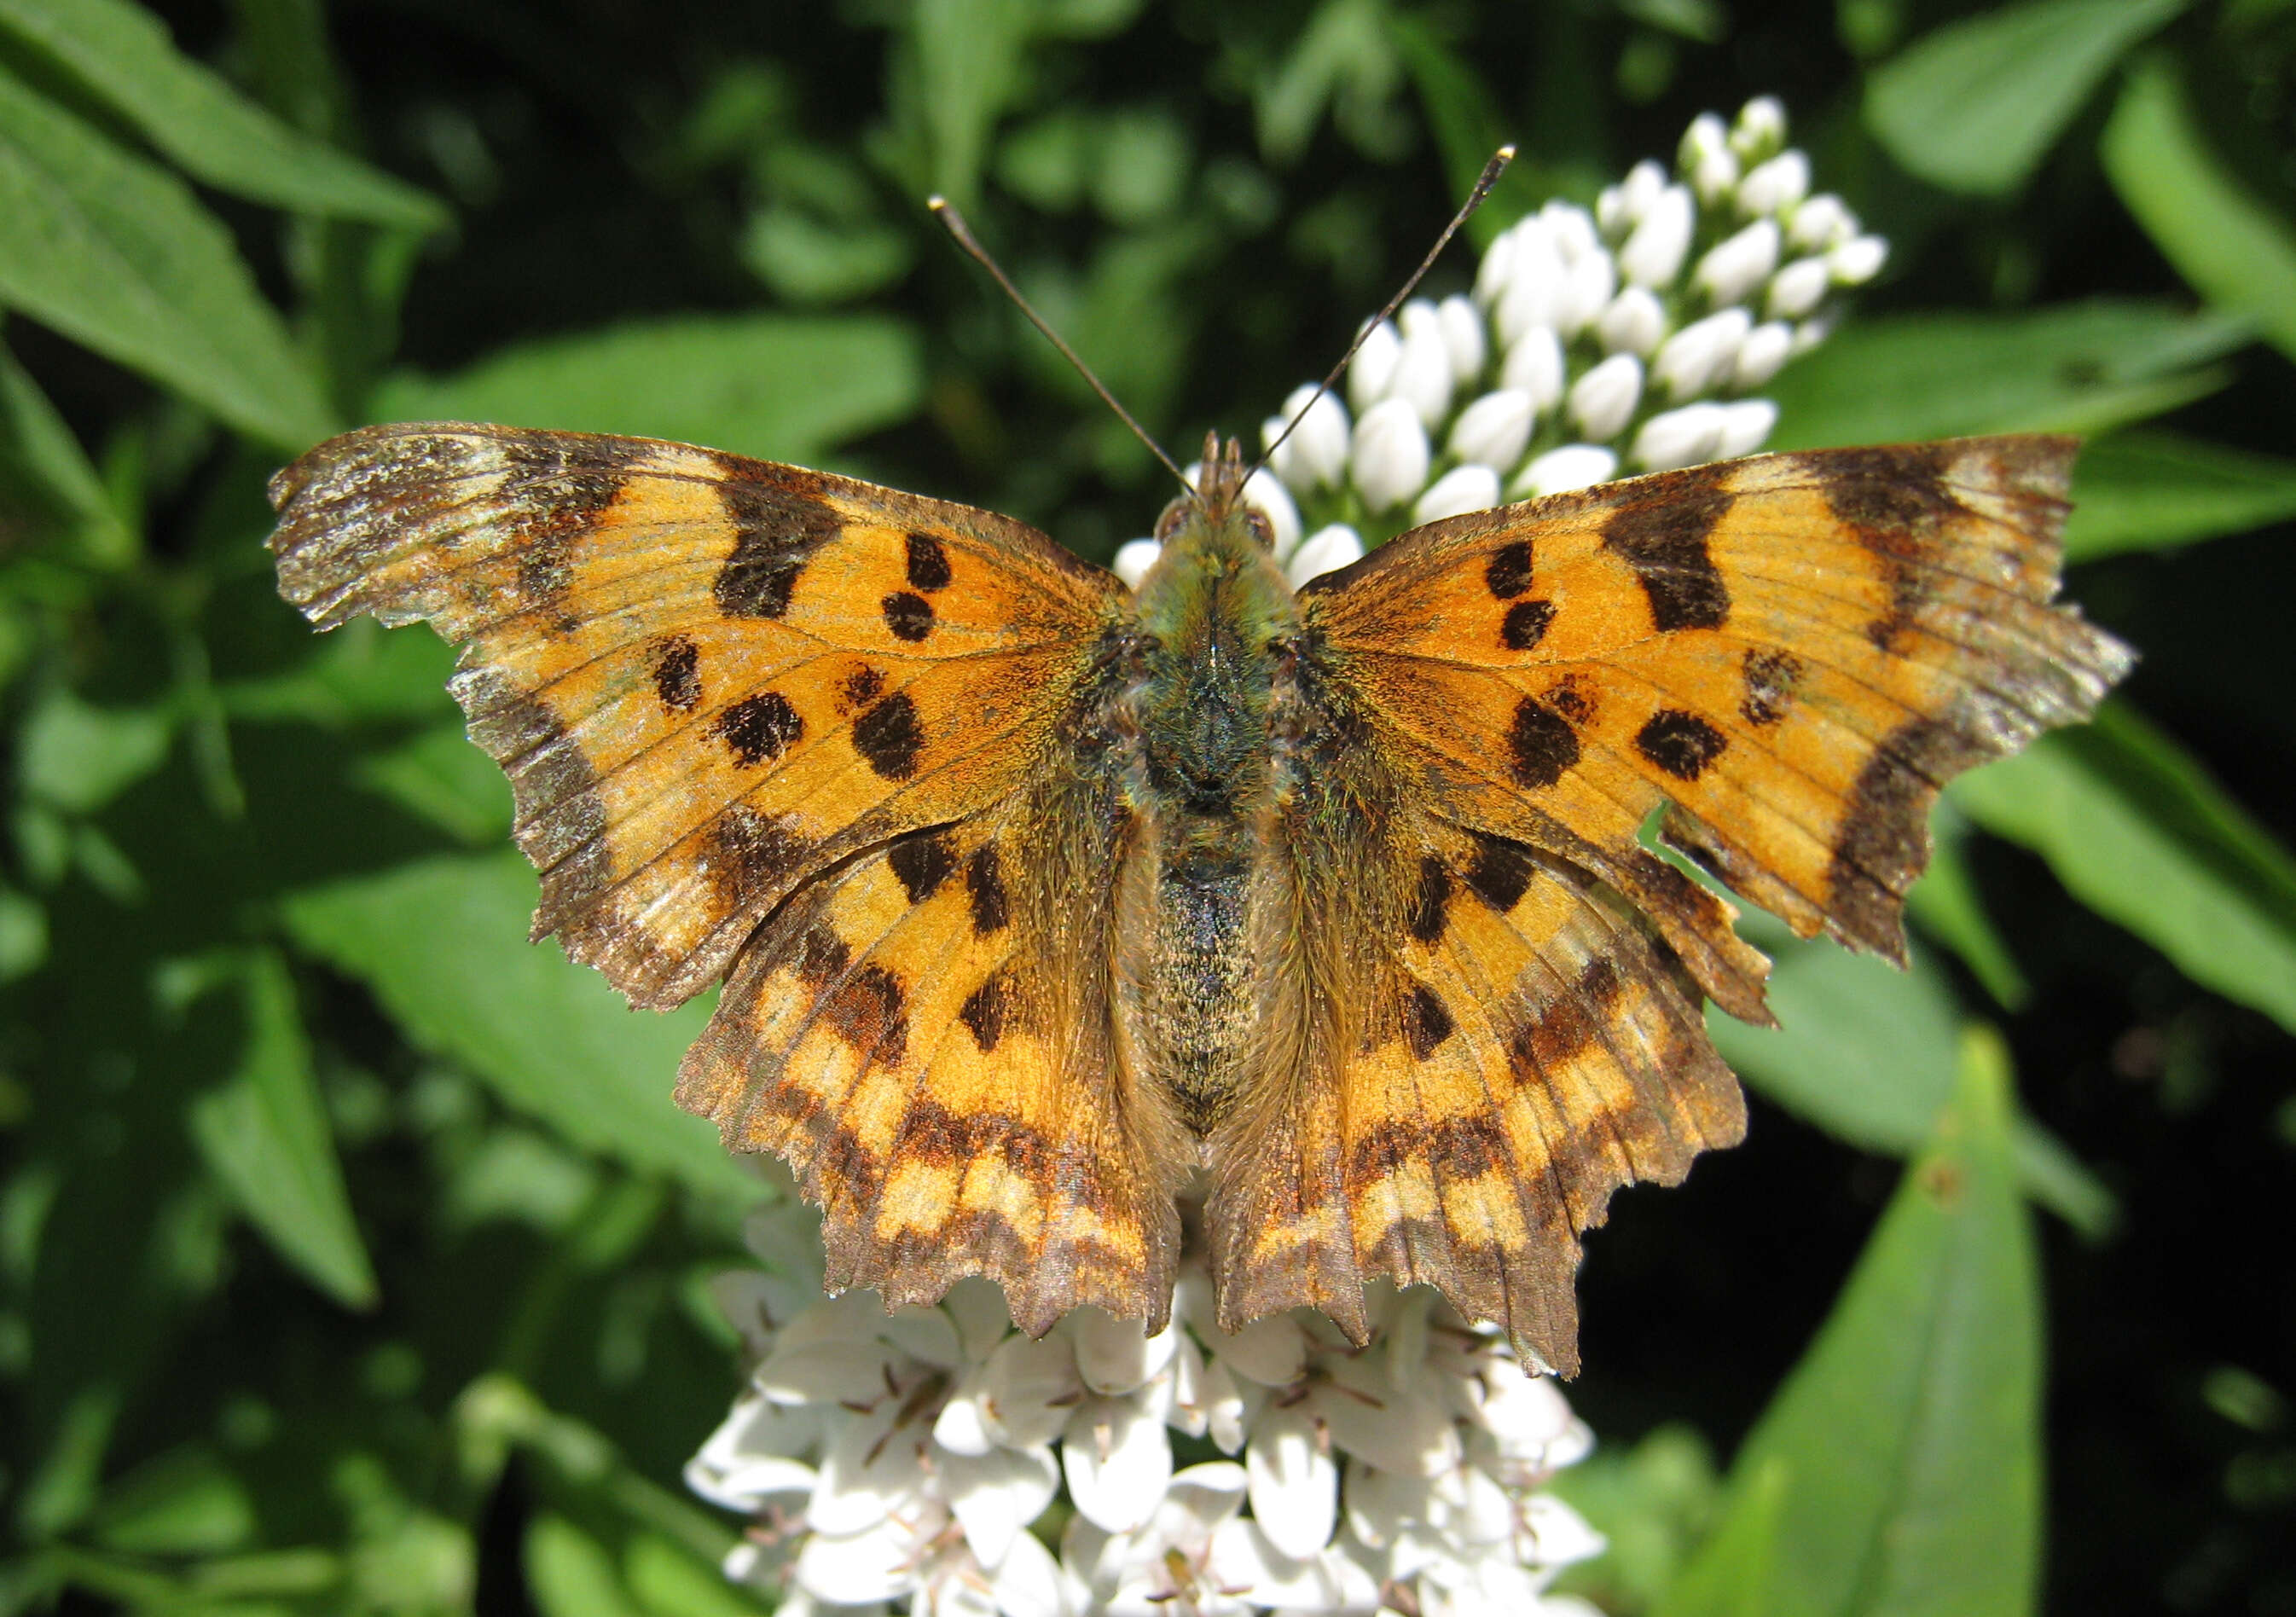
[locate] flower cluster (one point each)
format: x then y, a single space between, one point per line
906 1457
1631 338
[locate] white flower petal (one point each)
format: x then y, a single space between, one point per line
925 1334
1270 1351
1389 462
962 1426
1294 1481
1188 1413
855 1569
1767 347
1395 1430
749 1299
1463 338
1746 425
1557 1535
1644 183
1736 265
1857 261
1382 1504
1027 1583
873 1467
1534 364
1820 223
1118 1461
1686 437
1459 490
1603 401
1536 284
1374 366
1492 429
1525 1413
976 1304
1244 1559
1226 1407
1760 129
1799 287
1116 1355
746 1484
1497 263
1325 550
1776 186
1635 323
1694 357
1133 558
1266 490
1316 454
1571 466
1572 230
1652 255
1588 284
993 1496
1027 1390
829 1354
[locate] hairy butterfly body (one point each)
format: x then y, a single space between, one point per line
1033 897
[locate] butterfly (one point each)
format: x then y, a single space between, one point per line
1035 896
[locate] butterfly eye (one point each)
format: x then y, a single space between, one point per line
1262 530
1168 524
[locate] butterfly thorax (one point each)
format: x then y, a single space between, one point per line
1202 892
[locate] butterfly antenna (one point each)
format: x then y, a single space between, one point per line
1483 184
954 223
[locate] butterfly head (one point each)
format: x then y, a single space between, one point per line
1216 500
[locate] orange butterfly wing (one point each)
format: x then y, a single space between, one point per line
1781 659
715 683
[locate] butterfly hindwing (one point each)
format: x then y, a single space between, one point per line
708 677
924 1035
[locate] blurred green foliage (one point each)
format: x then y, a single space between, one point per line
350 1249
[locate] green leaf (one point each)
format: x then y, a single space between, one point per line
2136 831
1947 905
263 1134
1866 1052
359 673
184 1502
40 456
1731 1575
669 1581
443 944
2237 251
122 55
75 756
117 255
774 387
1905 1448
2075 367
969 56
441 777
2153 491
570 1573
1976 105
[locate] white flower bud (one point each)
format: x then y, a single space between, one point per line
1705 158
1798 287
1857 261
1766 349
1498 263
1534 285
1389 462
1316 454
1610 211
1374 366
1463 339
1266 490
1535 364
1776 186
1810 334
1746 425
1679 437
1459 490
1820 223
1634 323
1603 401
1738 264
1572 466
1572 228
1494 429
1133 558
1644 183
1587 284
1424 374
1760 129
1653 254
1695 356
1325 550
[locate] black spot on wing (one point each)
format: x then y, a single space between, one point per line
759 729
921 864
1500 874
888 737
1434 895
1772 676
907 617
1662 536
1525 624
751 853
1896 501
677 673
1508 571
776 530
1426 1021
984 879
928 562
984 1012
1680 743
1541 745
859 688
